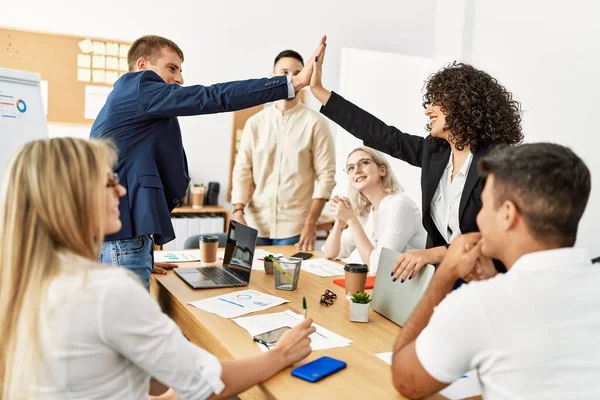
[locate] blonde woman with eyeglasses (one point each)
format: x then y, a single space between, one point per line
375 215
74 328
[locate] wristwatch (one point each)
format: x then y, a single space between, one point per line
239 209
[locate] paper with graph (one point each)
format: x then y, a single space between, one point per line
239 303
176 256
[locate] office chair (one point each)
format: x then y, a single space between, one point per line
193 241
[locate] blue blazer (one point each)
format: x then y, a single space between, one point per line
140 118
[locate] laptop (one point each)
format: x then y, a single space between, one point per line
237 262
395 300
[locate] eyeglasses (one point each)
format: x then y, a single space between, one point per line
360 164
328 298
113 180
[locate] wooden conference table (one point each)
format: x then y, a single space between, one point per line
366 375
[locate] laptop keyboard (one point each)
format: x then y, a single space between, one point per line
218 275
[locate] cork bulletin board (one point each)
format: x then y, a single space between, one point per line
79 71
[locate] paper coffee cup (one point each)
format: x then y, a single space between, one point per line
356 277
208 249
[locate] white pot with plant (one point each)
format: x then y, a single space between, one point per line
359 307
269 263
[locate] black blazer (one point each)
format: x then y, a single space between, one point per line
425 153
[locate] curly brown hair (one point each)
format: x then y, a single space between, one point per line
479 110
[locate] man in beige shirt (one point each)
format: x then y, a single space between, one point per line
285 168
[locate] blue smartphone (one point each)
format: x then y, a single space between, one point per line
318 369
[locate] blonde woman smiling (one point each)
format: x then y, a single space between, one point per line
375 215
72 328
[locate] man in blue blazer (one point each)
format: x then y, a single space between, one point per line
140 118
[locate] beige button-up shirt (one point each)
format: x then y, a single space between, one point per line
285 160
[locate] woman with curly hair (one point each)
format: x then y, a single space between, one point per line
469 113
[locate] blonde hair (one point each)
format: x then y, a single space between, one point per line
360 203
53 200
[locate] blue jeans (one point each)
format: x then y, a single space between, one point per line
262 241
137 255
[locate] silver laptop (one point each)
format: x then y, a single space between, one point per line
237 262
395 300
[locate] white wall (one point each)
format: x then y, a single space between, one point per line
393 93
549 57
395 101
228 40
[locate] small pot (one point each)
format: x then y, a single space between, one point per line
268 267
359 312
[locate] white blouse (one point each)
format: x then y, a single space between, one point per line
396 225
445 203
103 337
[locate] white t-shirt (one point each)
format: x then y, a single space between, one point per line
103 337
531 333
445 203
396 225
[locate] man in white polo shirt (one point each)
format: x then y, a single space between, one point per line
533 332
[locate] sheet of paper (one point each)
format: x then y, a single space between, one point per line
322 339
99 48
111 77
239 303
112 49
86 46
99 62
123 65
98 76
95 97
258 263
112 63
467 386
84 74
123 50
322 267
177 256
84 60
385 357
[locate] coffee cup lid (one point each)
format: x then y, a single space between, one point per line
210 239
356 268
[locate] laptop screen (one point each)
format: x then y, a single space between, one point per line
239 250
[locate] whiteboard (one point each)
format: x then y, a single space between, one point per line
388 86
22 117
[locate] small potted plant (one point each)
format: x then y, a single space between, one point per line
269 263
359 307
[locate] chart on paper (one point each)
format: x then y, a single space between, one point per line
7 106
176 256
323 267
239 303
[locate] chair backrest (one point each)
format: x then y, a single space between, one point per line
596 260
193 241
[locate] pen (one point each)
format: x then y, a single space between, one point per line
304 306
282 271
